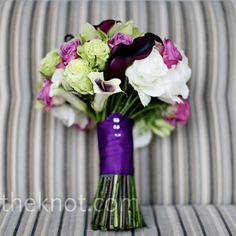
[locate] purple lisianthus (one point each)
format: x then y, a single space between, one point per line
68 51
43 94
171 54
180 113
120 38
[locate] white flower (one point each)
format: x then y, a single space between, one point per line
70 116
150 77
57 79
141 139
103 89
56 83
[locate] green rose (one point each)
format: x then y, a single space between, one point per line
76 76
82 85
127 28
96 52
76 67
48 63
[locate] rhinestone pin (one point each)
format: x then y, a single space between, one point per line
116 120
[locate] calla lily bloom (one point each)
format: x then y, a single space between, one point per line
106 25
122 56
103 89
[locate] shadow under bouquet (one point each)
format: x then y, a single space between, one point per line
129 85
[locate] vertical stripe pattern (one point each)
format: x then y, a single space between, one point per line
40 158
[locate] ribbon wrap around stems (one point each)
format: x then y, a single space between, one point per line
115 142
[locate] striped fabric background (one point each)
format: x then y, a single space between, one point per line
197 164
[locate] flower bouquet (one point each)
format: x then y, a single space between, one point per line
129 85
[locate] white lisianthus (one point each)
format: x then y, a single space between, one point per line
70 116
151 77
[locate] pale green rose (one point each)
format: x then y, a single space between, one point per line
96 52
75 68
48 63
127 28
82 85
76 76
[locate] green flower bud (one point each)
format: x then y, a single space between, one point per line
89 33
161 127
48 63
127 28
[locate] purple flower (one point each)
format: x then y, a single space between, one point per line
120 38
106 25
122 56
179 113
171 54
68 51
43 94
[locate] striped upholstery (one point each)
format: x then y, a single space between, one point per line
195 220
195 165
39 157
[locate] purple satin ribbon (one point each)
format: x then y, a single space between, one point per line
115 141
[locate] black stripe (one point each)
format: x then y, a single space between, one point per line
132 232
199 221
223 220
19 221
86 222
35 223
180 221
156 221
61 222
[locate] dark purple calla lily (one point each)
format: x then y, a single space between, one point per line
122 56
106 25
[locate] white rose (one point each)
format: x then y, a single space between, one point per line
70 116
150 77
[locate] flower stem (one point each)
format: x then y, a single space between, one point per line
156 106
115 205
